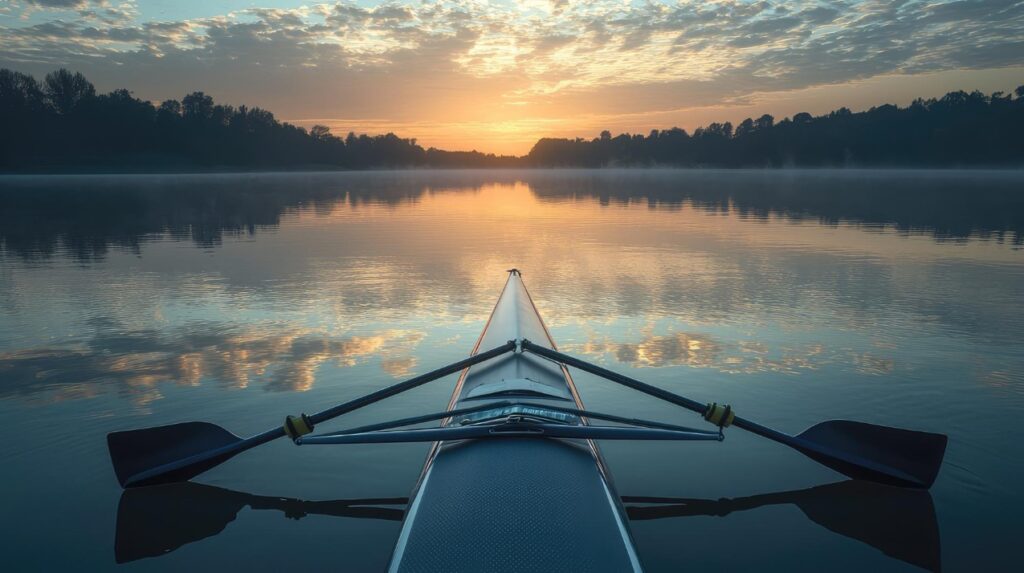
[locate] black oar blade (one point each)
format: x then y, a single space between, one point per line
152 521
881 454
136 451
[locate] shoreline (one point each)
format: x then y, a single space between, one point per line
317 169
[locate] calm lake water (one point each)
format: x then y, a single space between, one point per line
888 297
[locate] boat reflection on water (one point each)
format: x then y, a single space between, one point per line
152 521
901 523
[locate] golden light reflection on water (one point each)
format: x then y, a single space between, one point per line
580 244
488 210
582 253
642 268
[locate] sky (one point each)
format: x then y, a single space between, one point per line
495 76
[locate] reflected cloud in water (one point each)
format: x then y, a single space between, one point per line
761 251
867 363
669 350
137 363
703 351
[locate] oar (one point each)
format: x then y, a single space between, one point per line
179 452
899 522
882 454
152 521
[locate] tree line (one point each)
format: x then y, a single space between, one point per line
63 123
960 129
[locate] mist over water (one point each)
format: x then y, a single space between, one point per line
891 297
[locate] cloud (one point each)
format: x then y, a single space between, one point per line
58 3
459 60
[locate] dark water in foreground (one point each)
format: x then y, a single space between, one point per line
888 297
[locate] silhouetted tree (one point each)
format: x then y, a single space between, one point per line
320 132
63 124
958 129
764 122
66 90
197 107
19 92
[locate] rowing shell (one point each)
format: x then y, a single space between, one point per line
516 503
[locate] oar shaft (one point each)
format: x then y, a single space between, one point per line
650 390
858 460
614 377
235 448
410 384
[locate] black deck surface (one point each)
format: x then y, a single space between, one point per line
515 505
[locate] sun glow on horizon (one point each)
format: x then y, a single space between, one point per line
517 131
498 76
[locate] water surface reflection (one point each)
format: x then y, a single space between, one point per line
891 297
84 217
136 362
900 523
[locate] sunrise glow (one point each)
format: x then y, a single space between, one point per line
497 76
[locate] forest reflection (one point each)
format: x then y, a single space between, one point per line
83 217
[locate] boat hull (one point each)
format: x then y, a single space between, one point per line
518 503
